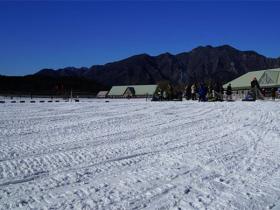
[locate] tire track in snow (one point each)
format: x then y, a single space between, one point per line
190 160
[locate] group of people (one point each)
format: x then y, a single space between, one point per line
216 93
195 91
257 93
212 92
205 93
201 91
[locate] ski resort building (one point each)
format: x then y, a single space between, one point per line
269 78
102 94
130 91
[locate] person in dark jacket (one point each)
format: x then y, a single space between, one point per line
229 92
218 91
273 93
256 89
202 92
255 83
188 93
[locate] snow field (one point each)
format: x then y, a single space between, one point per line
133 154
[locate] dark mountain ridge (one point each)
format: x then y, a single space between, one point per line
216 64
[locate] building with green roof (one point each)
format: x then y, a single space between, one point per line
267 79
132 91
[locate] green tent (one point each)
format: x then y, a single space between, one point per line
266 78
140 90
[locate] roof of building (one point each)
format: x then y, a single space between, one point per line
102 93
139 90
266 78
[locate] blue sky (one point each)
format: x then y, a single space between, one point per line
36 35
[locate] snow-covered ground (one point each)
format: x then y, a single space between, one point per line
133 154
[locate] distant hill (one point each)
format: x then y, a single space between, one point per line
208 63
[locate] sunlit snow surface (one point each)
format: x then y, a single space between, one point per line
133 154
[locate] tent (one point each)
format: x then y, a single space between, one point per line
102 94
267 79
136 90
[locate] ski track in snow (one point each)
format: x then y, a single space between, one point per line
133 154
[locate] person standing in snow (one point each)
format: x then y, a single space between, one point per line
193 92
202 92
229 92
164 95
218 91
256 89
273 93
255 83
188 92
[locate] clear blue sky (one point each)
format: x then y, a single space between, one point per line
36 35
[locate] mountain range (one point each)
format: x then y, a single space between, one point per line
204 63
